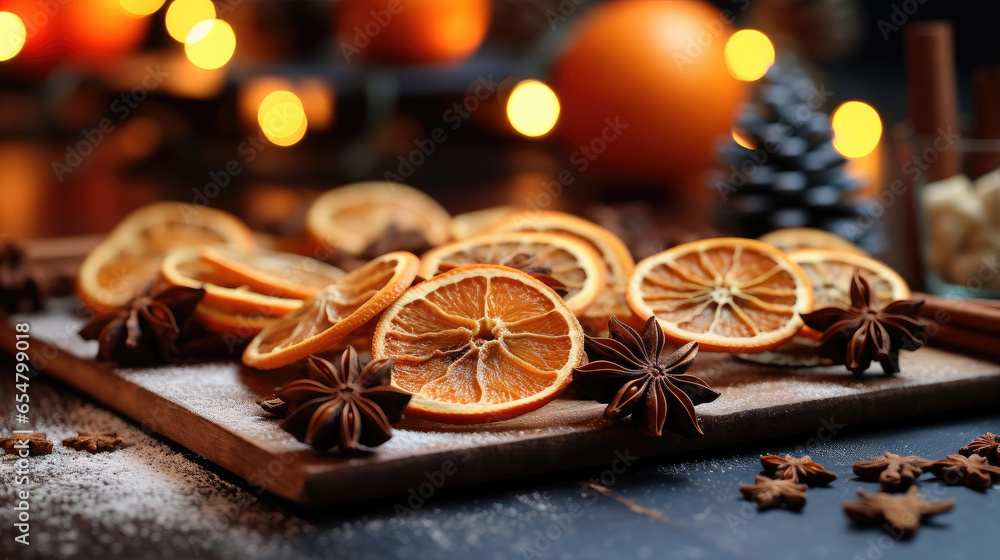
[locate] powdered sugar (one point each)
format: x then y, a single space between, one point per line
98 504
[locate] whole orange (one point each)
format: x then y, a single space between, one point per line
645 90
411 31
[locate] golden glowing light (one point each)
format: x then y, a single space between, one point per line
532 108
741 138
749 53
857 129
184 15
282 118
210 44
12 35
141 8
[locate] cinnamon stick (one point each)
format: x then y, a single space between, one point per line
965 341
964 314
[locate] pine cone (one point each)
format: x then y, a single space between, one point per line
792 176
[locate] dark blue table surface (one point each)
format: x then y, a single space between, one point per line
670 507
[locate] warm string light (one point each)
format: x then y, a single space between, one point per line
141 8
12 35
857 129
282 118
184 15
532 108
210 44
749 53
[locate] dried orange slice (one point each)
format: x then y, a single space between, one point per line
477 222
353 218
616 256
729 294
242 325
129 259
566 259
224 291
479 343
830 274
793 239
271 272
334 313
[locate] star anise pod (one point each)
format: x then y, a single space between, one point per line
892 471
273 406
37 444
986 445
802 469
867 332
146 331
902 512
343 404
972 471
94 443
770 492
20 290
626 372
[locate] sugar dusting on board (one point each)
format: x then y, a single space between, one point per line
94 505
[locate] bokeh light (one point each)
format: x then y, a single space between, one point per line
282 118
210 44
743 139
857 129
12 35
183 15
749 53
141 8
532 108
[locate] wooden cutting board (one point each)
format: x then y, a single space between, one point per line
210 409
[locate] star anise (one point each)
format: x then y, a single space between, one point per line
771 492
94 443
802 469
867 332
902 512
972 471
893 472
146 331
37 444
20 290
626 372
986 445
273 406
343 404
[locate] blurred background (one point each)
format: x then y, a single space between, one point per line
642 115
